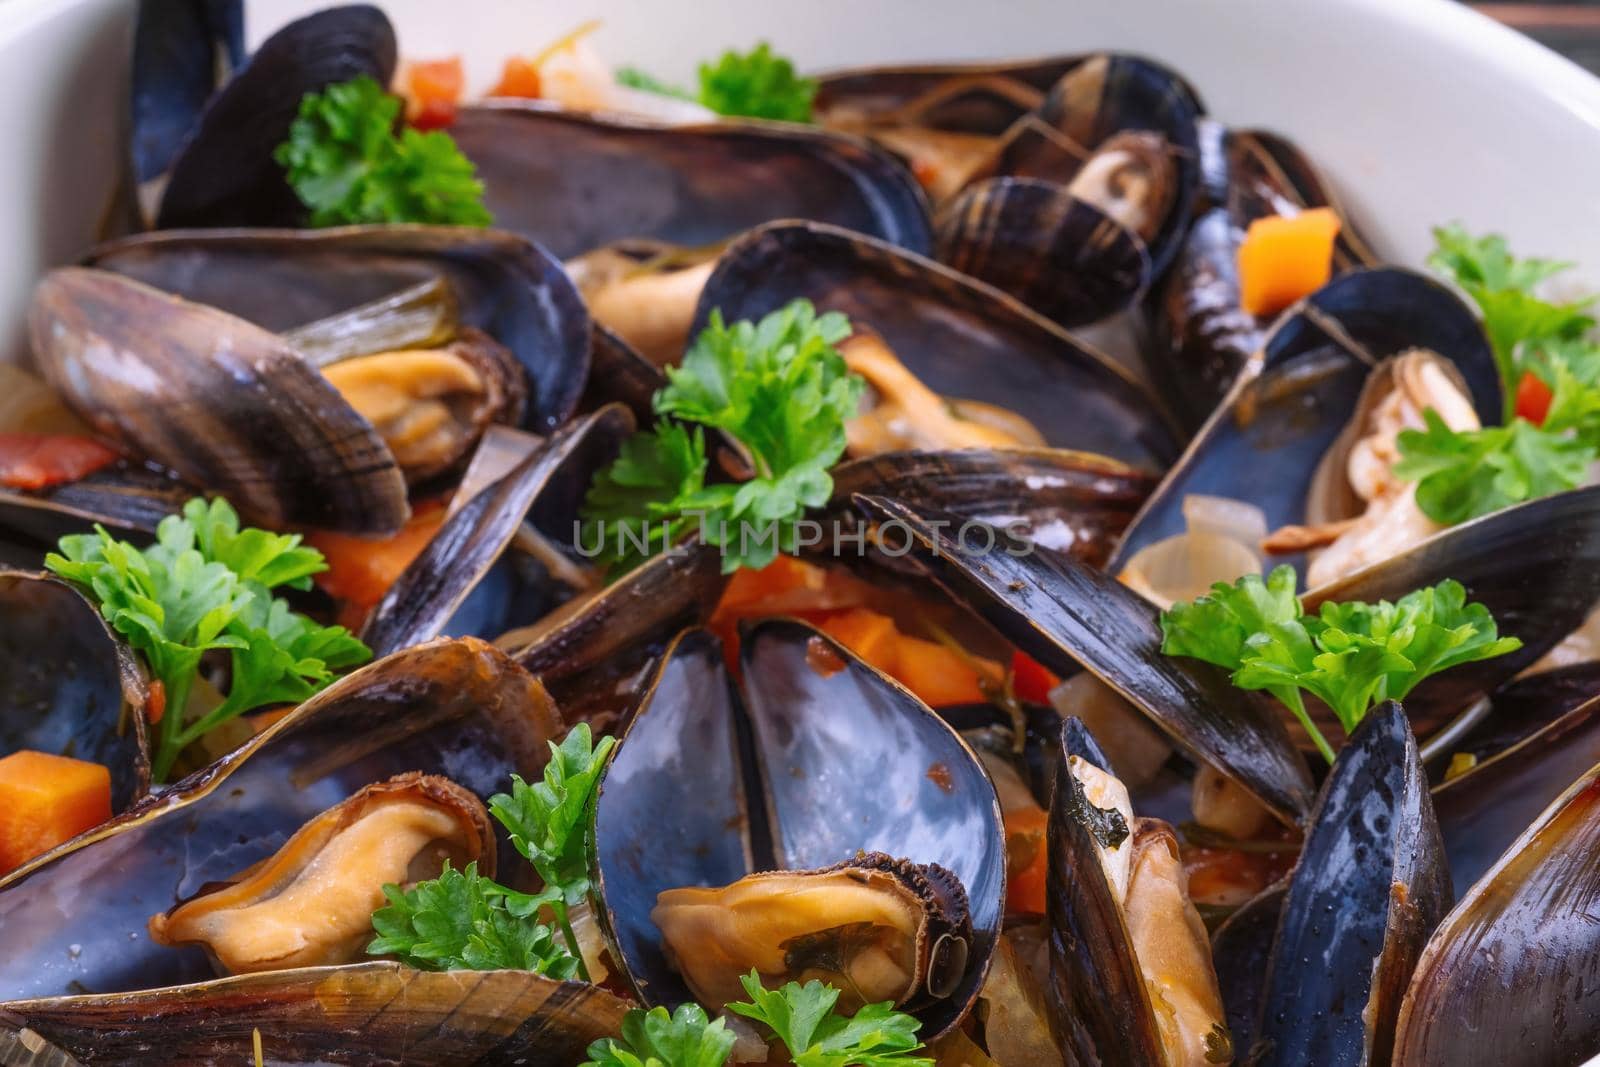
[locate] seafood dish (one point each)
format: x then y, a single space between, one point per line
613 573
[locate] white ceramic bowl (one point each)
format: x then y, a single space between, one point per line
1421 111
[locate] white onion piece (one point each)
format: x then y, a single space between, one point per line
1222 544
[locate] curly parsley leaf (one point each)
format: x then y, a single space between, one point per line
460 921
802 1017
551 823
655 1039
1352 656
782 391
1461 475
347 164
759 84
207 585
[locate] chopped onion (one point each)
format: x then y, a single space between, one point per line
1222 544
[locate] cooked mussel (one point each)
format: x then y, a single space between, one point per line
1508 976
71 688
1131 978
457 708
874 927
575 182
1315 367
819 734
226 404
1004 356
311 902
1370 886
283 280
645 292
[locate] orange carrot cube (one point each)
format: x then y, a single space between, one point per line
45 800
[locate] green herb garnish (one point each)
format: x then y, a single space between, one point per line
655 1039
1352 656
462 921
1540 348
780 389
348 164
802 1017
207 585
759 84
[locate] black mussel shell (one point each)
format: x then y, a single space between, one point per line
129 500
179 49
574 181
1279 425
70 688
226 175
981 98
456 708
1370 886
819 733
1482 811
1240 949
363 1015
1064 613
960 337
280 279
462 584
1509 976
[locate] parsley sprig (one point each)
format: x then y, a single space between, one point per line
207 585
463 921
781 390
1538 345
348 164
800 1016
1352 656
759 84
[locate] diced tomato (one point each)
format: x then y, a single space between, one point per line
432 91
1027 861
41 460
1030 679
360 571
157 705
1533 398
519 78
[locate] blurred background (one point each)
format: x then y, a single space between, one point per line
1572 29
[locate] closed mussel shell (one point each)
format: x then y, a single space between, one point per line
1370 886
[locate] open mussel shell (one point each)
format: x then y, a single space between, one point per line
280 279
70 687
369 1014
1535 566
619 374
227 405
455 708
1279 425
823 759
574 182
225 175
1065 613
1369 888
1482 811
963 339
129 500
1038 242
1509 975
1073 502
181 48
462 584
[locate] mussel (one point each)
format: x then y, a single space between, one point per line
1005 356
1370 886
456 708
860 801
575 182
71 688
311 903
